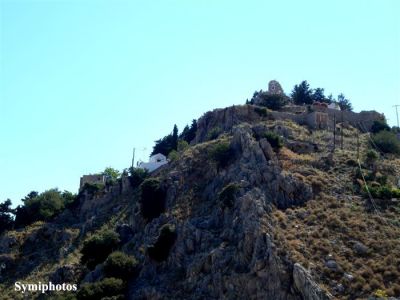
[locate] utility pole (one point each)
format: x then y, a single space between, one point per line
334 132
133 158
397 114
341 133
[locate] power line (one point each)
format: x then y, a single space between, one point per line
366 187
397 114
364 129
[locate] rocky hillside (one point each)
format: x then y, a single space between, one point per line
256 207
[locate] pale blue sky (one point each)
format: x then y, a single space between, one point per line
82 82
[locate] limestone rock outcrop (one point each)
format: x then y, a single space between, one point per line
223 252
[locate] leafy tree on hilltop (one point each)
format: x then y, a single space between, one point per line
167 143
318 95
31 195
42 207
379 125
47 204
6 219
22 214
302 94
274 102
137 175
175 138
344 103
395 129
189 133
111 173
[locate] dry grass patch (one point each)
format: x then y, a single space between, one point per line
330 228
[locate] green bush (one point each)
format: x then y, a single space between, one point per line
262 112
227 195
137 176
96 249
387 142
182 145
396 193
108 287
166 239
383 192
120 265
112 175
370 176
274 139
93 188
351 163
213 133
274 102
382 179
221 153
42 207
371 155
173 155
379 125
152 199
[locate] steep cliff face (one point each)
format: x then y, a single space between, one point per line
223 251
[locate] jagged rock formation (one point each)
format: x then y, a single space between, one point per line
218 249
224 252
306 286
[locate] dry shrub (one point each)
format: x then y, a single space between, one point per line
367 273
325 232
299 177
311 219
334 222
357 224
394 290
358 283
333 204
322 215
316 234
375 284
287 154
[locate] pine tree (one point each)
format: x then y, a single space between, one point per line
175 138
6 220
302 94
344 103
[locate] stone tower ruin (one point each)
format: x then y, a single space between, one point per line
275 88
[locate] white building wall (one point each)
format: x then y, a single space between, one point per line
155 162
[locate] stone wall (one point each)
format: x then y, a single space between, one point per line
92 179
93 205
225 119
362 120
